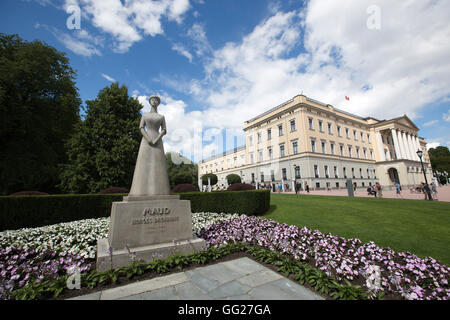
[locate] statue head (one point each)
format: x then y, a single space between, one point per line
154 101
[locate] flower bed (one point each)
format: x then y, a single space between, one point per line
46 252
381 269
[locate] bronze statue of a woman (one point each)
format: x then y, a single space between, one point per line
150 174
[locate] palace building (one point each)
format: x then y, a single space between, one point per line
306 141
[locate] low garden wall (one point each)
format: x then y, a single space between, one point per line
35 211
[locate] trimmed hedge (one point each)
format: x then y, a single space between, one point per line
36 211
251 203
18 212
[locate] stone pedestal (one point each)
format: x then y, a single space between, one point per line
150 226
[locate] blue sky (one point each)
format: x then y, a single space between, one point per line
218 63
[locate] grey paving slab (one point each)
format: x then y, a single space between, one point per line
91 296
188 291
135 297
296 290
270 292
229 289
260 277
219 273
201 281
243 266
232 280
168 293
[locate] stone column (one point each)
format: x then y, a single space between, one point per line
405 144
380 146
411 147
400 145
396 144
416 146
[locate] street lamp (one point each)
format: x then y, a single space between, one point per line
294 179
420 154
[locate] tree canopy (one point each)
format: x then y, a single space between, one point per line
181 172
103 150
440 159
39 106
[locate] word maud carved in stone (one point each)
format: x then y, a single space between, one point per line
155 211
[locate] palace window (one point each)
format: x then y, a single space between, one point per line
313 145
324 147
283 171
330 130
335 172
316 171
320 125
293 125
311 123
282 150
269 134
270 153
280 130
259 137
295 147
327 174
297 172
341 149
353 173
347 133
339 131
345 172
350 152
261 156
332 147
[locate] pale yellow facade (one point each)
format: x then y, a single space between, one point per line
304 141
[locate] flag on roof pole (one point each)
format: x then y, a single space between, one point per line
347 98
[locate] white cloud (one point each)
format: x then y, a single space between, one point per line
328 53
433 145
430 123
77 45
110 79
446 116
183 51
128 21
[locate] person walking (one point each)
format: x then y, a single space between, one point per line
307 188
434 191
379 190
398 189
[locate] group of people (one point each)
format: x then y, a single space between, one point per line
376 190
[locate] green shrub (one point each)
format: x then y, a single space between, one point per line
36 211
255 202
240 187
212 179
185 187
233 178
18 212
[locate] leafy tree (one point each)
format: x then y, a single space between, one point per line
233 178
440 160
212 177
181 172
103 150
39 106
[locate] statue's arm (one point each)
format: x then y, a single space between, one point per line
142 129
162 132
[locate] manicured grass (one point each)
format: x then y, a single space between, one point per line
420 227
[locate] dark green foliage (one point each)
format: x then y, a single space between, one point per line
186 187
29 193
240 187
255 202
103 150
181 171
35 211
39 106
440 160
233 178
213 179
114 190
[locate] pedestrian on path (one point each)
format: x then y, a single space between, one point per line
307 188
398 189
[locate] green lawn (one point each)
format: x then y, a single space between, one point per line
420 227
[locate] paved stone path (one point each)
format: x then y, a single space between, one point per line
443 194
239 279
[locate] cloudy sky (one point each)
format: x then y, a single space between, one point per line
218 63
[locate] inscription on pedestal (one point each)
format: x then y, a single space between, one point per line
149 222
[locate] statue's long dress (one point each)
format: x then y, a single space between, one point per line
150 174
